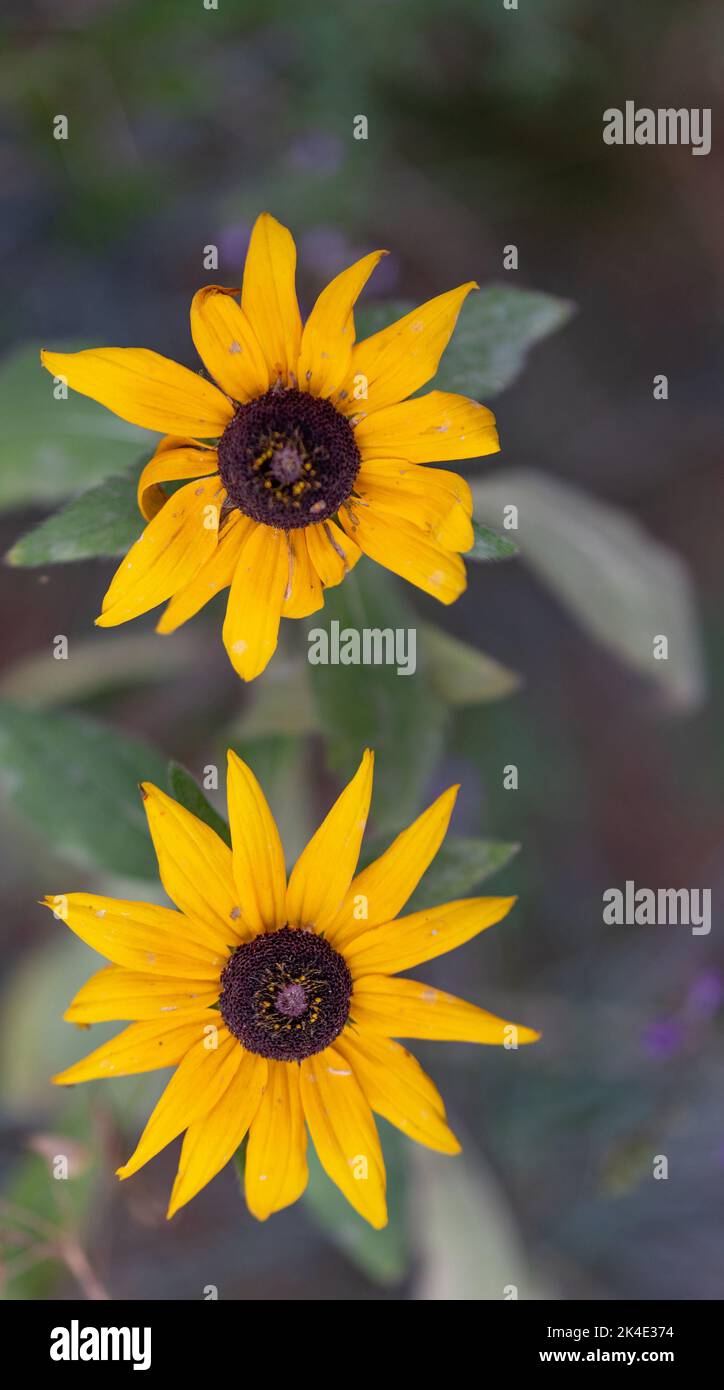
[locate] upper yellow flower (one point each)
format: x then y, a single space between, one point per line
317 454
276 1001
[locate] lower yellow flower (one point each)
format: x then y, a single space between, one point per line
278 1003
306 454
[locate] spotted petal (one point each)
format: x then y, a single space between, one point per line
408 1009
227 343
398 1089
397 361
275 1172
344 1133
429 429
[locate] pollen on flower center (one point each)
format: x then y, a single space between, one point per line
292 1000
288 459
286 994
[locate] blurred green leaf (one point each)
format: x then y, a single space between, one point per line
104 521
624 587
77 781
460 865
489 545
496 329
468 1239
385 1255
100 664
271 711
461 674
186 790
35 1040
51 447
401 717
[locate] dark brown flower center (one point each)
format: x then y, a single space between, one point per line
288 459
286 994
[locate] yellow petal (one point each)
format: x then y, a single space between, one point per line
381 890
406 550
227 344
344 1133
269 297
141 1047
429 429
116 993
408 1009
140 936
400 359
423 935
172 549
145 388
303 594
332 553
215 574
398 1089
438 502
258 857
200 1080
253 612
399 475
195 867
323 872
174 458
210 1142
329 331
275 1173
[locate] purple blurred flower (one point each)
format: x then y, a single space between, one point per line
662 1038
706 993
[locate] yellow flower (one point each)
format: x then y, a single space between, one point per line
278 1003
317 454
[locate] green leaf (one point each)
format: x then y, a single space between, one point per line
77 780
400 716
490 545
186 790
496 329
461 674
384 1256
104 521
624 587
460 865
49 448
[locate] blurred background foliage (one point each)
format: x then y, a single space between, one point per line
484 130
